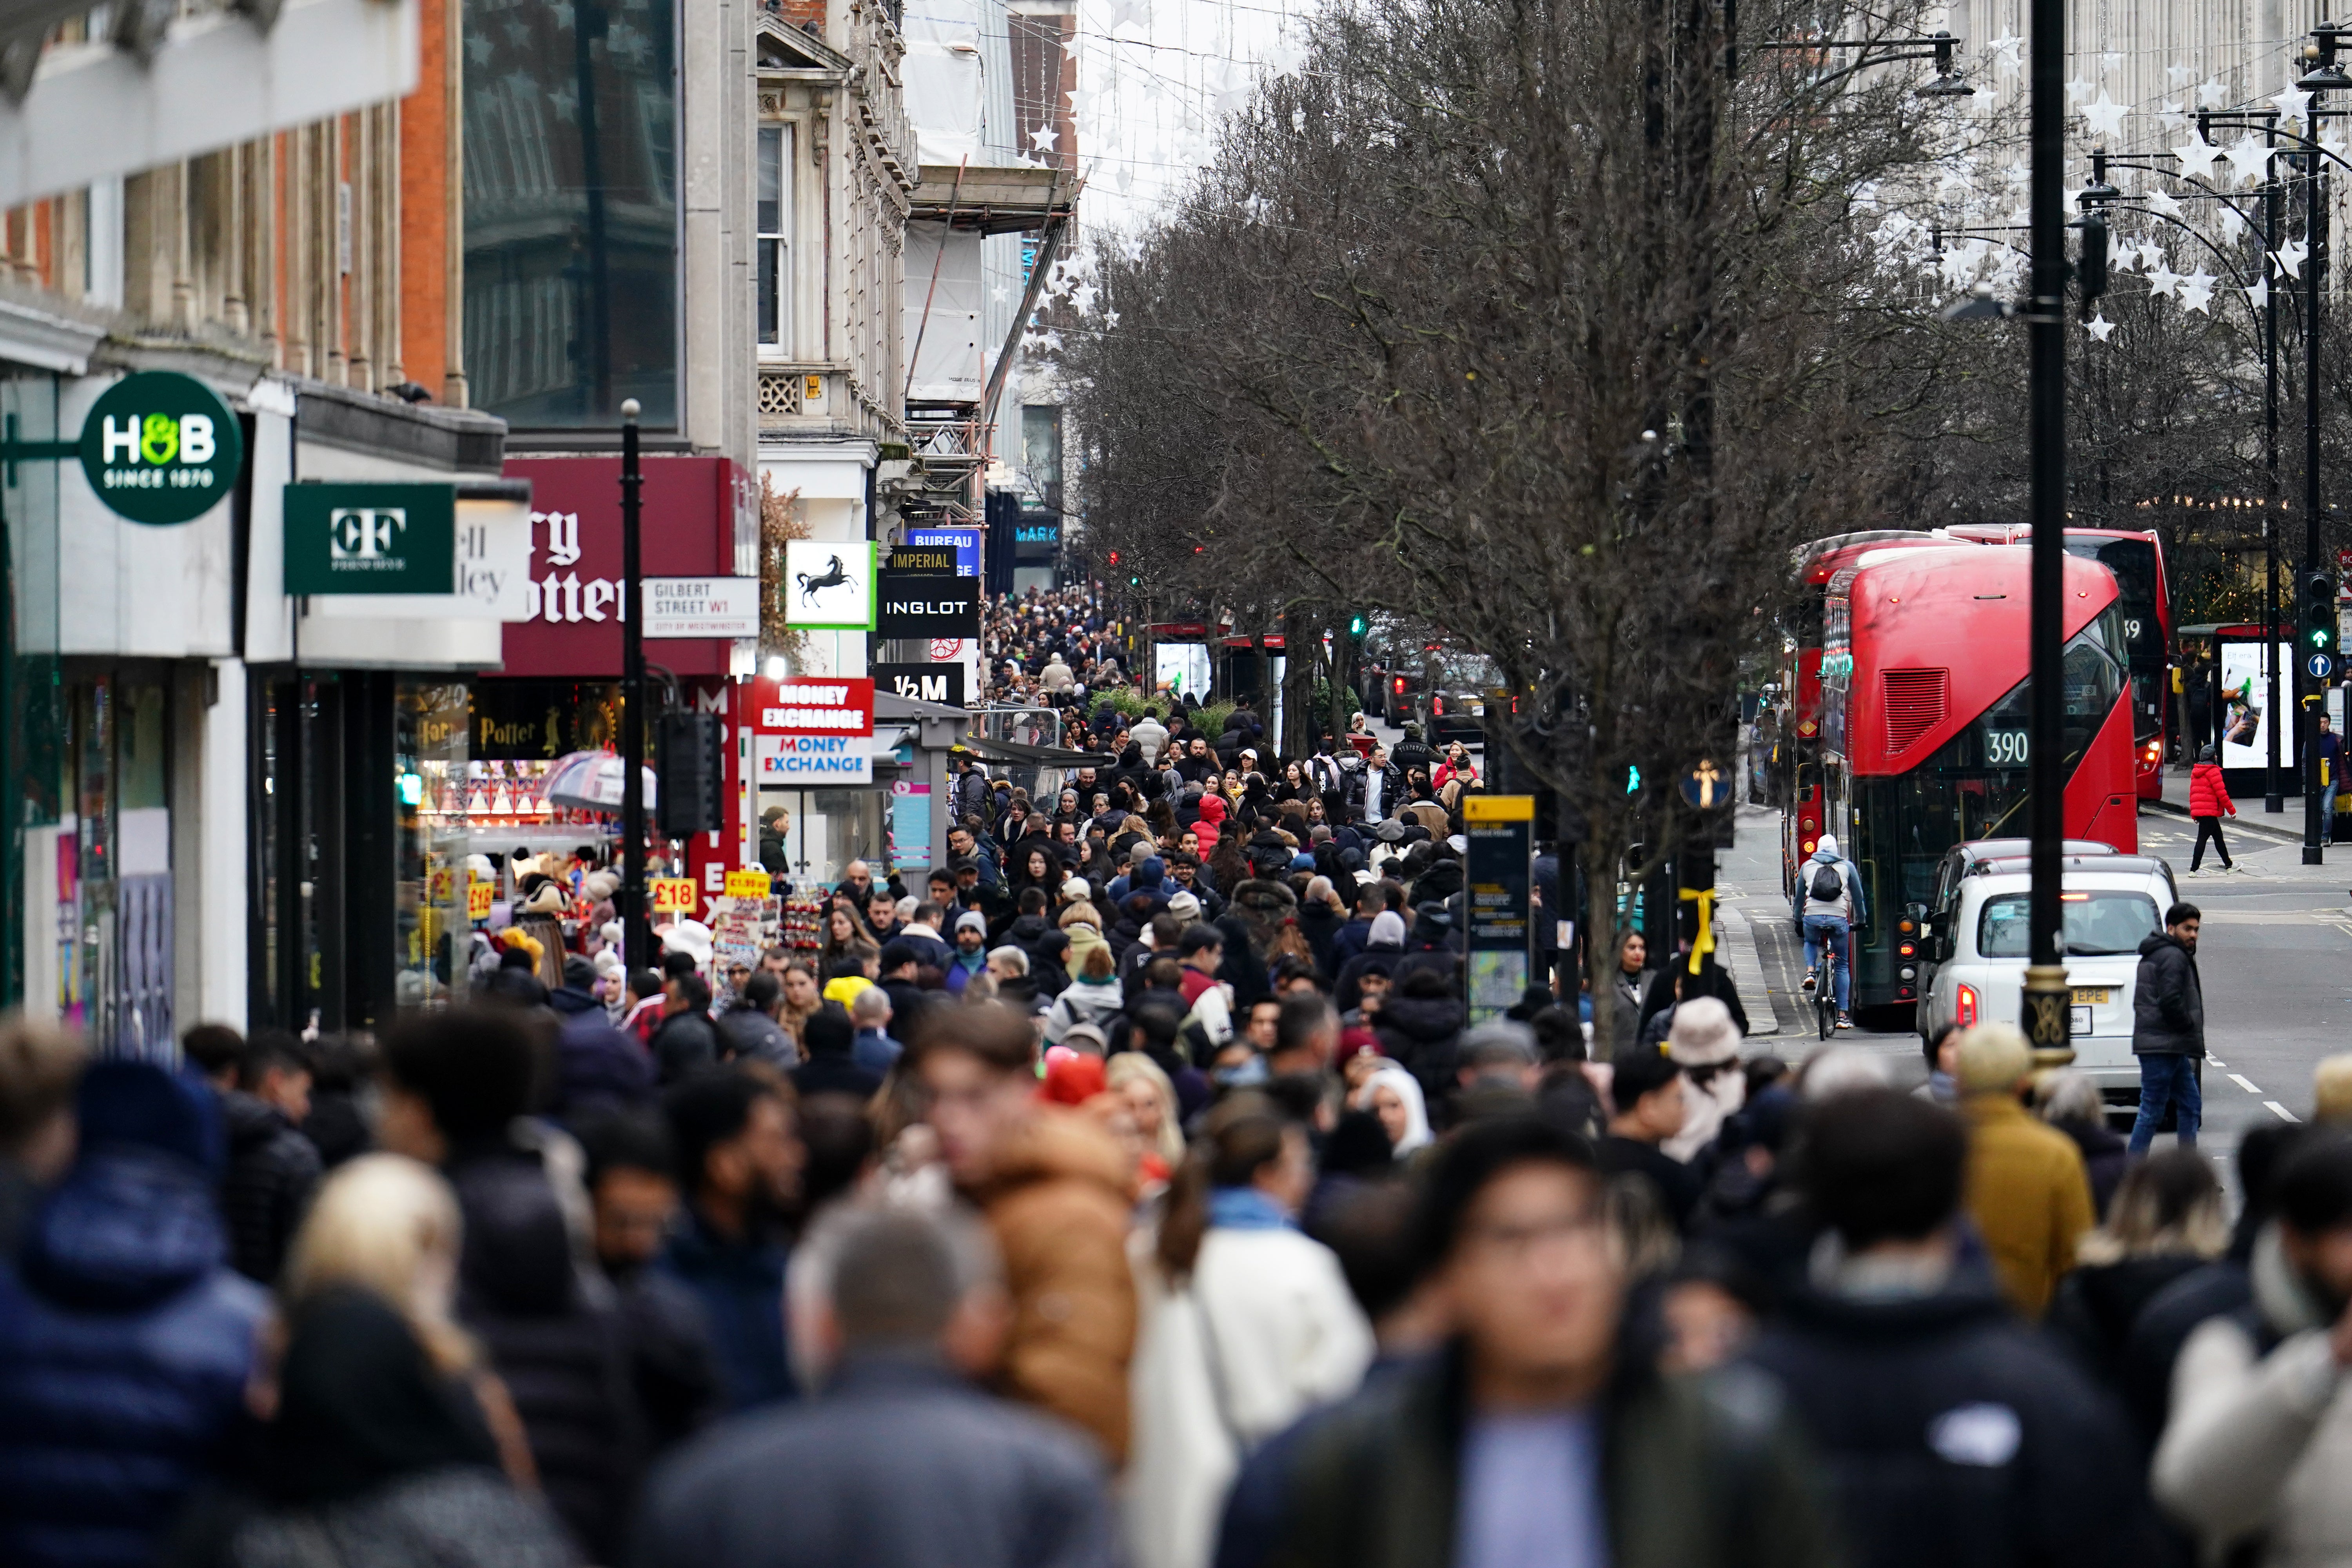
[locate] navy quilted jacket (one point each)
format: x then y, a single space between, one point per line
125 1343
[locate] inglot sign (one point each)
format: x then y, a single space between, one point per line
926 604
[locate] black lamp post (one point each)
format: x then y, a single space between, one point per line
636 939
2325 76
2047 1001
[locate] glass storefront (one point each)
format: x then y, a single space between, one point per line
32 706
571 220
430 721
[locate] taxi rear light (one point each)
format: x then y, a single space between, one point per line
1964 1008
1400 683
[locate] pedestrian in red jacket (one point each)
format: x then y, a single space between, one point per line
2208 801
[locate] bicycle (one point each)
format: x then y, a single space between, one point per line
1825 1010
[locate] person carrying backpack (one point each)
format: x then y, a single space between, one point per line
1829 904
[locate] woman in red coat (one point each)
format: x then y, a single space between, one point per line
2208 801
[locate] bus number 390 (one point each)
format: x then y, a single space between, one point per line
2005 748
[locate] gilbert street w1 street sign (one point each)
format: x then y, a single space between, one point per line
160 447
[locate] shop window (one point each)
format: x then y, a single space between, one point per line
572 213
430 924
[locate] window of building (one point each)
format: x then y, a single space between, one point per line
775 237
572 216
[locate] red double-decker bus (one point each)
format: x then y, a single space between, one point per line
1927 733
1797 774
2138 561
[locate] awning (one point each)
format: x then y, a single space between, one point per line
1034 756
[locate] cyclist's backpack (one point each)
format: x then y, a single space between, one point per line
1828 887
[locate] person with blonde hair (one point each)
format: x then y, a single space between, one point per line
386 1224
381 1422
2331 1089
2166 1219
1151 1097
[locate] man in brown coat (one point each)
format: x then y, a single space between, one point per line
2027 1190
1055 1190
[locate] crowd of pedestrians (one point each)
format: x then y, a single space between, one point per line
1137 1190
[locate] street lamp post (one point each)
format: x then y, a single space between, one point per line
2046 1002
636 940
2314 238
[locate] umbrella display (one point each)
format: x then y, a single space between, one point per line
591 781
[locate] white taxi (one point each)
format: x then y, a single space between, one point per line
1976 942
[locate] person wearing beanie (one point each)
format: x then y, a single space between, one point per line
2027 1190
970 954
1705 1043
1076 889
126 1340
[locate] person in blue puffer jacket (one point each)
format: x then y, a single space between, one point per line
126 1340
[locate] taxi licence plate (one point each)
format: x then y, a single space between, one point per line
2092 995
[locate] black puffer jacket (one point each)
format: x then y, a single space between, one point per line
557 1341
1953 1437
272 1172
1424 1034
2168 1000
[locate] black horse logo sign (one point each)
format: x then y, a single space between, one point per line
833 576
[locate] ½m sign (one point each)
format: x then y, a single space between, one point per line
160 447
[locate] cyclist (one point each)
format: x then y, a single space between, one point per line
1829 904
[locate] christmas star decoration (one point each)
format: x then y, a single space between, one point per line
2291 101
2249 159
2162 201
2099 326
2197 291
2163 279
2289 255
1043 138
2258 293
2105 118
2198 157
2212 94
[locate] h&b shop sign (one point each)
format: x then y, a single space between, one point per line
160 447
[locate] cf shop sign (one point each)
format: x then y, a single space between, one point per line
371 539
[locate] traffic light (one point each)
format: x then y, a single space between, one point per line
1356 625
2320 612
690 771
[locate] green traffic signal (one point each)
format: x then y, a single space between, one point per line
1356 627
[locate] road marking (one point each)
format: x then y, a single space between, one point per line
2283 1113
2217 1061
2241 1083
